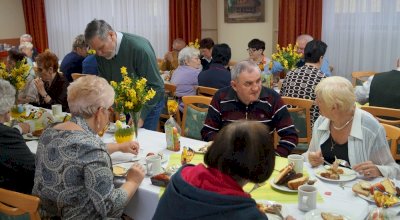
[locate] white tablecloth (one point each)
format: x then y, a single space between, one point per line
143 204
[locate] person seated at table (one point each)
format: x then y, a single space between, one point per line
256 49
301 82
301 42
17 163
247 99
170 61
74 178
72 62
381 89
206 47
89 65
28 38
185 76
51 86
217 76
349 133
242 152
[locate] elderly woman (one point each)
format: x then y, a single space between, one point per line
240 153
185 76
301 82
73 177
348 133
51 86
17 163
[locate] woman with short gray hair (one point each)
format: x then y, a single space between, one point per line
17 163
73 162
185 76
346 132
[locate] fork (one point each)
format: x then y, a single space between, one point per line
256 186
277 212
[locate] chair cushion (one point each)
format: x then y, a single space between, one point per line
299 121
15 217
194 123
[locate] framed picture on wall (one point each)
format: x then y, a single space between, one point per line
244 11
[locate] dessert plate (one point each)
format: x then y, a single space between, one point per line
347 175
281 187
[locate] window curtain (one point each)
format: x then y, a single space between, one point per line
362 35
35 22
299 17
68 18
184 20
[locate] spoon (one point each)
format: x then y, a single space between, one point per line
344 163
256 186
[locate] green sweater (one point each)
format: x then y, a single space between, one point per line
384 90
137 55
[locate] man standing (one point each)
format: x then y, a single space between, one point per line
246 99
116 49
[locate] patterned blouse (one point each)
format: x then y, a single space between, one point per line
301 83
74 178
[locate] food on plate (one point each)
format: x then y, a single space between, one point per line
331 216
333 172
389 186
161 179
359 189
149 154
383 199
383 193
288 177
269 208
119 171
37 133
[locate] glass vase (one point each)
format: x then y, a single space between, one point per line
135 116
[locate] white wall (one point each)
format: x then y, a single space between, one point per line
237 35
12 21
209 19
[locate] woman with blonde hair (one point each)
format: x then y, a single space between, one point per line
349 133
74 177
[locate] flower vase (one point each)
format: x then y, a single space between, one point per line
135 116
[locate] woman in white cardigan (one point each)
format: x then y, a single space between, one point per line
349 133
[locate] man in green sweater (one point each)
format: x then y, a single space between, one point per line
116 49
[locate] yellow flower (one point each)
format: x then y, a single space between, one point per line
113 84
128 104
286 56
124 70
195 44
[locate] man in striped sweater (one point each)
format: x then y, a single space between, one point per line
246 99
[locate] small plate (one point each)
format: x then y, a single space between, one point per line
371 199
347 175
316 214
30 137
281 187
119 170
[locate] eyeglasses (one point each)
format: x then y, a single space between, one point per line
251 50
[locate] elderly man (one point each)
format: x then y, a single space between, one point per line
116 49
72 62
28 38
301 42
170 61
247 99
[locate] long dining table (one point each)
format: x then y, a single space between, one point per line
332 197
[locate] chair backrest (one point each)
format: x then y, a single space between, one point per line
389 116
393 135
169 92
206 91
299 110
75 76
15 205
360 76
194 114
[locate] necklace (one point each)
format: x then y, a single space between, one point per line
340 128
333 144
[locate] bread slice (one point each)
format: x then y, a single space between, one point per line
330 216
389 186
359 190
294 184
285 171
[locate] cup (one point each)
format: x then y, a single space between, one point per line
307 197
298 161
153 165
56 109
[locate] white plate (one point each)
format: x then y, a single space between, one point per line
281 187
202 148
29 137
316 214
347 175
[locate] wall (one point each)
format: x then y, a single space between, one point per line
237 35
11 19
209 19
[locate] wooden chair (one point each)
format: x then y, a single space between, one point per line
393 135
357 77
194 114
389 116
299 110
206 91
170 90
18 205
75 76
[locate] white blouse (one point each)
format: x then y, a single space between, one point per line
366 142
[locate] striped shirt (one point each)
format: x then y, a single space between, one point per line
269 109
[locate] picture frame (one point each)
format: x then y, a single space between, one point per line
244 11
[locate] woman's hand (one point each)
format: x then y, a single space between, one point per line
40 86
315 158
129 147
368 169
135 173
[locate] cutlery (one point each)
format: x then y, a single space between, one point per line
256 186
277 212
